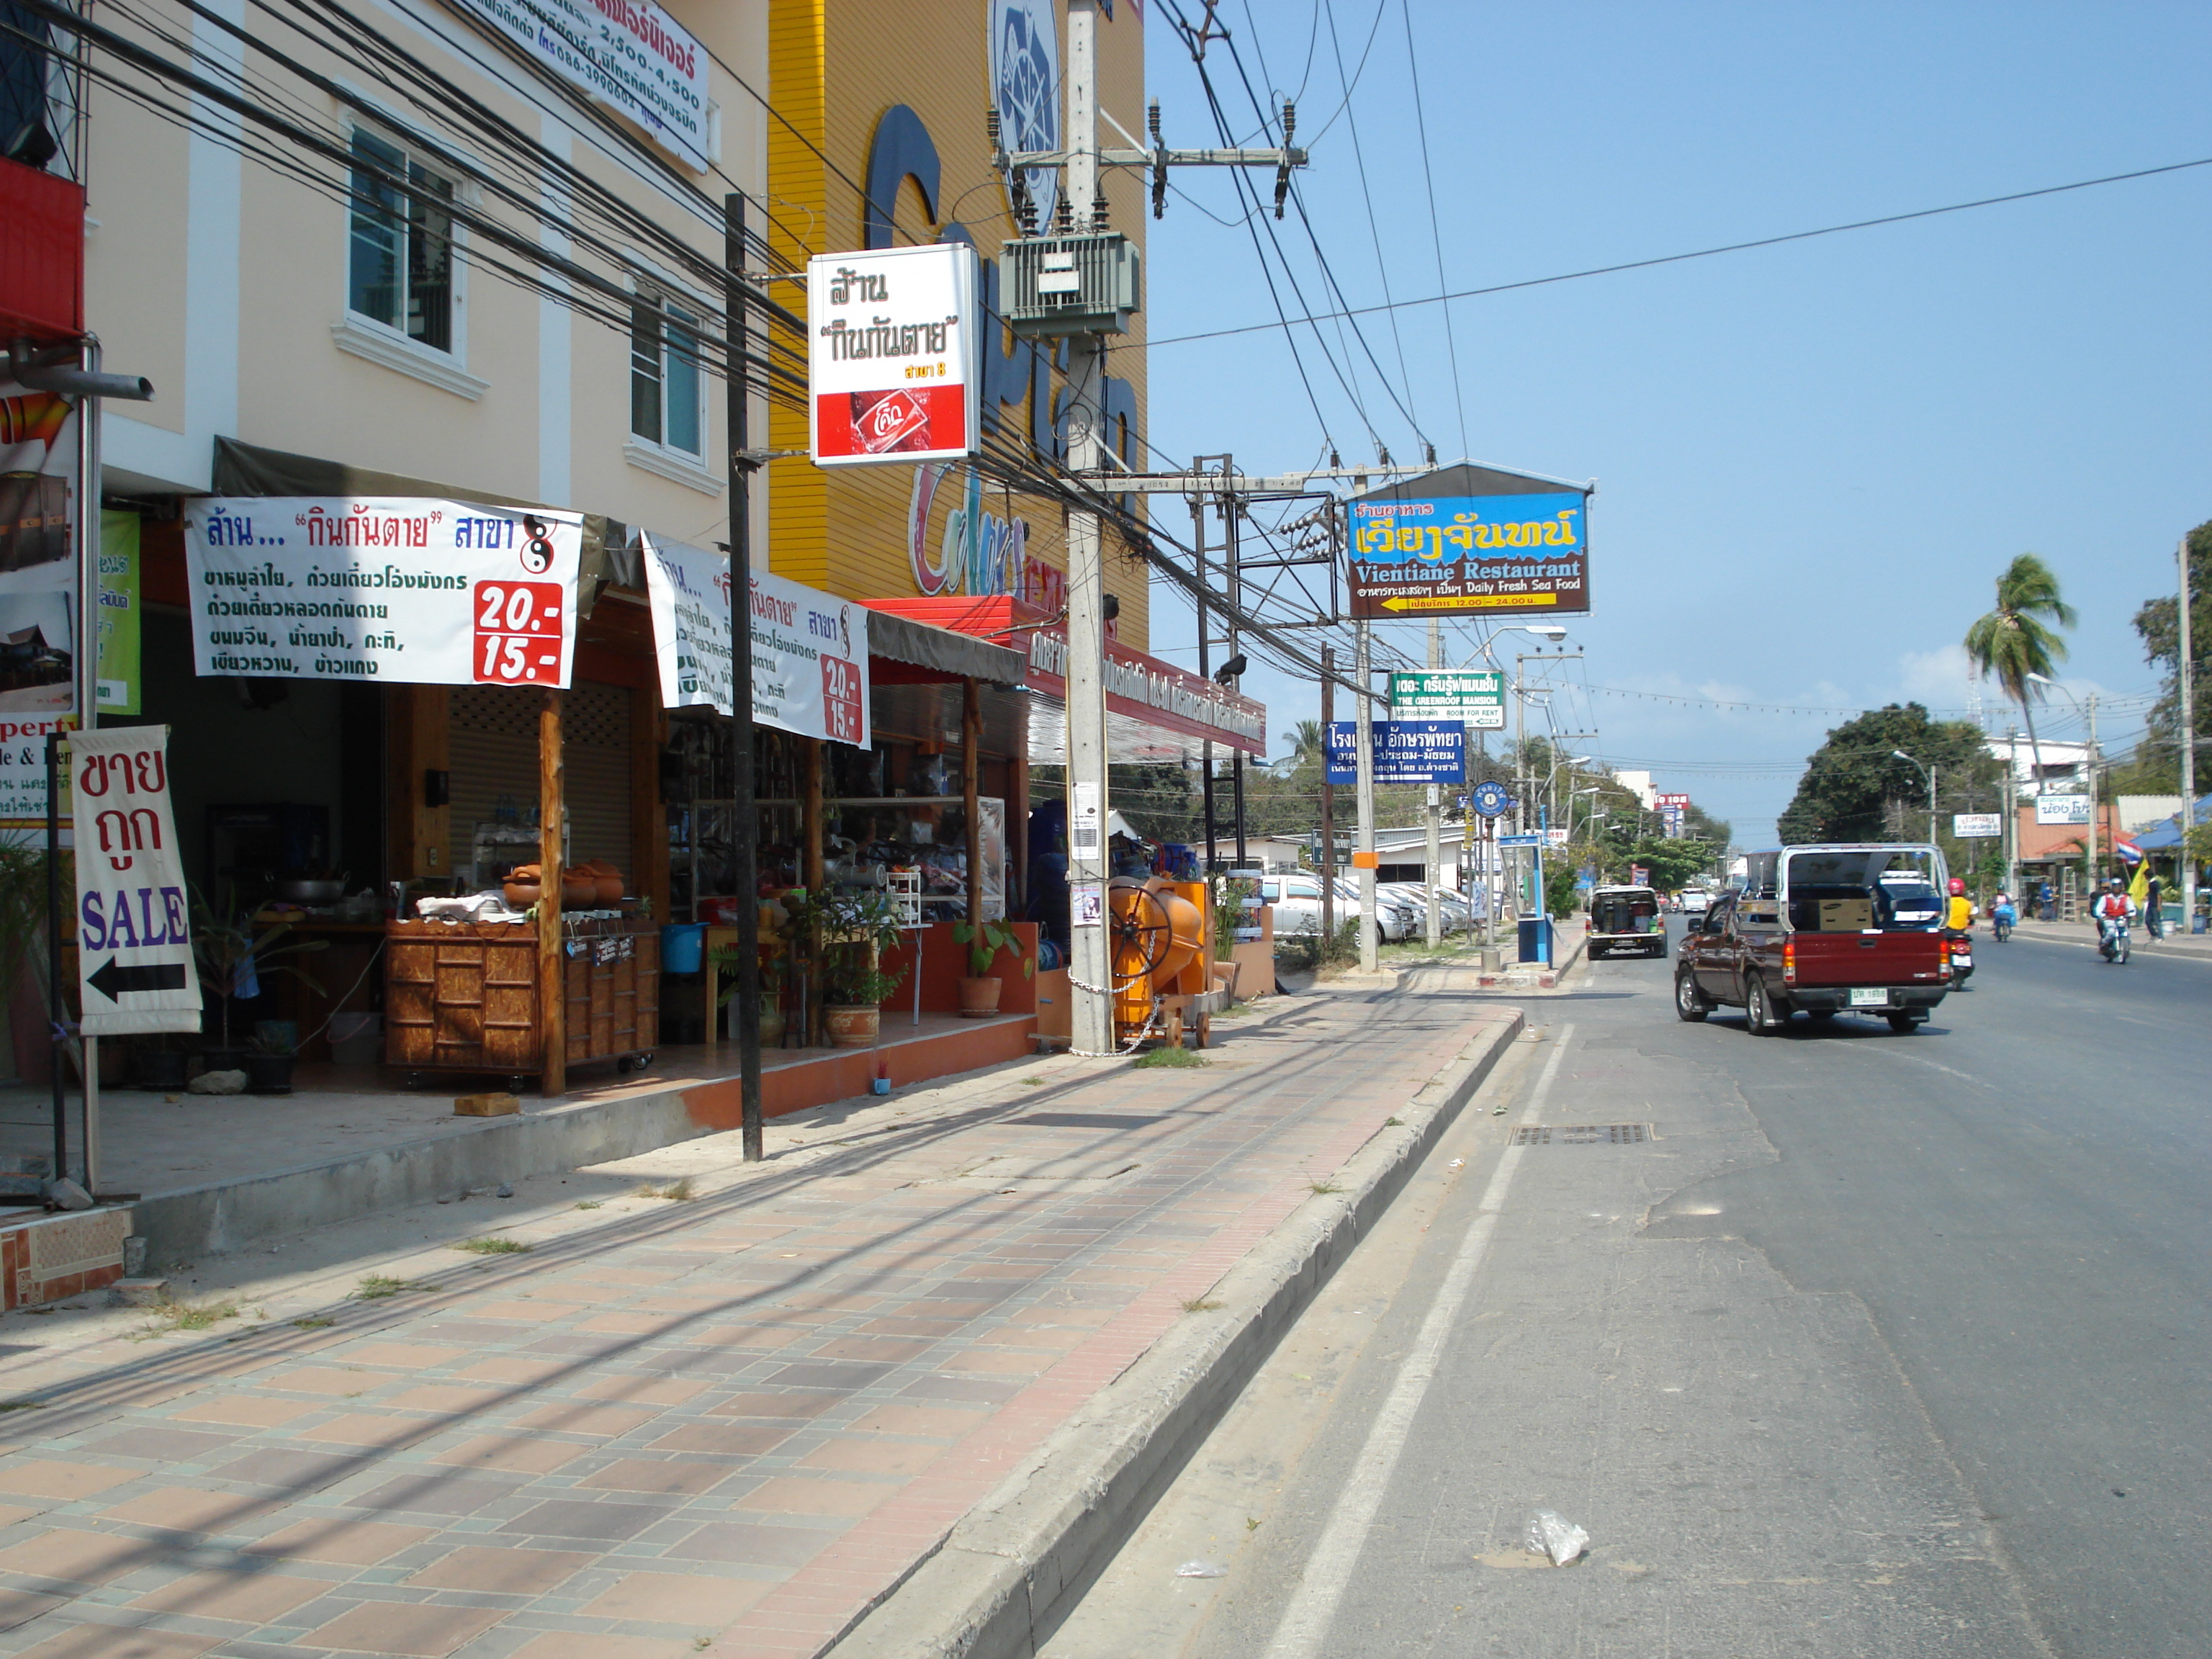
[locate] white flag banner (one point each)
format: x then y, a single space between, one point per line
810 649
401 591
134 938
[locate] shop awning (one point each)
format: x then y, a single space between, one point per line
1155 711
942 651
2167 838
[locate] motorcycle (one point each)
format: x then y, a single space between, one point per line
1962 954
2000 921
2113 945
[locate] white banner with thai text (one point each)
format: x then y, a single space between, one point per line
134 958
810 649
397 590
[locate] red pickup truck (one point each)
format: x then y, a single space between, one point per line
1828 930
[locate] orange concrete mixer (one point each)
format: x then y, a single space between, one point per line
1156 941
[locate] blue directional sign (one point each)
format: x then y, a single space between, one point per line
1490 798
1521 841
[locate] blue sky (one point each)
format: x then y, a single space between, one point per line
1812 460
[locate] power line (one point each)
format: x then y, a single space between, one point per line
1436 220
1699 253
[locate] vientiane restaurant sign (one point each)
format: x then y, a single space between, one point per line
403 590
1157 693
1470 540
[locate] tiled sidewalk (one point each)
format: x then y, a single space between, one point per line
748 1415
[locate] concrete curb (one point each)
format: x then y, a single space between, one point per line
1009 1565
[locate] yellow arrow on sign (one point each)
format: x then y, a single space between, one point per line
1469 601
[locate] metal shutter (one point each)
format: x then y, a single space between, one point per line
493 752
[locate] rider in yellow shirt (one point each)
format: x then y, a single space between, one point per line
1958 915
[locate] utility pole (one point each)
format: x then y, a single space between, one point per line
1364 859
1327 798
1087 804
737 330
1436 905
2183 665
2093 867
2012 819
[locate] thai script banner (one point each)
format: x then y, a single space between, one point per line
895 355
394 591
1493 555
810 649
134 967
1156 692
628 55
1406 751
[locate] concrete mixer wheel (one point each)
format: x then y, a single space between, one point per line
1142 936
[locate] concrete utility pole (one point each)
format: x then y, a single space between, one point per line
1092 1015
1436 907
2182 664
738 329
1328 859
1364 858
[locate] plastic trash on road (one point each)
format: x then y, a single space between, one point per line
1548 1535
1201 1569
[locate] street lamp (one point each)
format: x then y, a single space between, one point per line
1928 772
2090 712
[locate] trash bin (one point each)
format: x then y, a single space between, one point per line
1535 938
683 948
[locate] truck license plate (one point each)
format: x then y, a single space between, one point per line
1869 997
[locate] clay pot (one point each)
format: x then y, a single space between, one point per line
578 892
521 895
979 998
852 1028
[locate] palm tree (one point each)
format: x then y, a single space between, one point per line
2014 643
1307 741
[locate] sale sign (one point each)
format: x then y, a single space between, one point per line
893 360
401 590
810 649
134 956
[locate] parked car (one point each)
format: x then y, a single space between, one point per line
1457 915
1831 929
1297 907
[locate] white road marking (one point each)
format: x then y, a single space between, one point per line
1312 1609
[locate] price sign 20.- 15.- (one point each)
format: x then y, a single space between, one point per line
841 700
519 627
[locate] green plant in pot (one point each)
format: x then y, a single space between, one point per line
775 969
233 959
850 928
269 1061
979 990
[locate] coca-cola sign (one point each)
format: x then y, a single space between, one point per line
893 362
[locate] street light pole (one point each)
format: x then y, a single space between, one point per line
1928 773
2089 710
2183 676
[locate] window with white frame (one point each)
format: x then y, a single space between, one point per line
400 267
666 389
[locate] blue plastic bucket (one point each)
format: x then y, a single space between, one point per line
683 948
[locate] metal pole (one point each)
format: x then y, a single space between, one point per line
2093 786
1088 806
737 329
1370 939
2184 676
1932 806
55 1011
1230 547
1204 671
87 684
1328 859
1436 812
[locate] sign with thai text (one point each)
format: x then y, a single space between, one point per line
810 649
394 591
628 55
1406 751
1474 698
135 968
1438 545
1974 826
1157 693
2062 809
893 356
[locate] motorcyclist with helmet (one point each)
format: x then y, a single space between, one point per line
2114 911
2005 916
1958 922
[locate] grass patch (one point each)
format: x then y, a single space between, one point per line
1200 1304
587 1204
1394 1122
377 1286
168 1316
1323 1186
1174 1058
1031 1081
489 1245
677 1192
313 1324
23 1405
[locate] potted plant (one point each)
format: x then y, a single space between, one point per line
269 1061
233 958
979 992
854 926
769 1014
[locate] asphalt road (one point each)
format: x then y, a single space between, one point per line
1877 1345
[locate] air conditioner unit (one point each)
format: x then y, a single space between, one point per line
1063 285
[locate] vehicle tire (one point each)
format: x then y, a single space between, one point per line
1659 951
1903 1024
1758 1013
1690 1002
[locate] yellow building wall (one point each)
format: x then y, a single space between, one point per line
836 67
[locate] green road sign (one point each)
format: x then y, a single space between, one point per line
1474 697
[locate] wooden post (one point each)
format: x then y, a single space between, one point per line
811 875
552 961
1017 831
648 817
971 765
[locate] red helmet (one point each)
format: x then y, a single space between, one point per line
1958 888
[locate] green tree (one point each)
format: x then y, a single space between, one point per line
2017 642
2157 769
1307 742
1855 788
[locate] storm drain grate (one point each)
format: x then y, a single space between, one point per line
1090 1120
1582 1134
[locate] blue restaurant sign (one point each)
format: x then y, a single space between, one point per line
1471 540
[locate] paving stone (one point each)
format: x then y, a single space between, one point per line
502 1571
252 1598
402 1630
64 1482
602 1522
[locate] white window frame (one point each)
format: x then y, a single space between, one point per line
378 341
657 455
